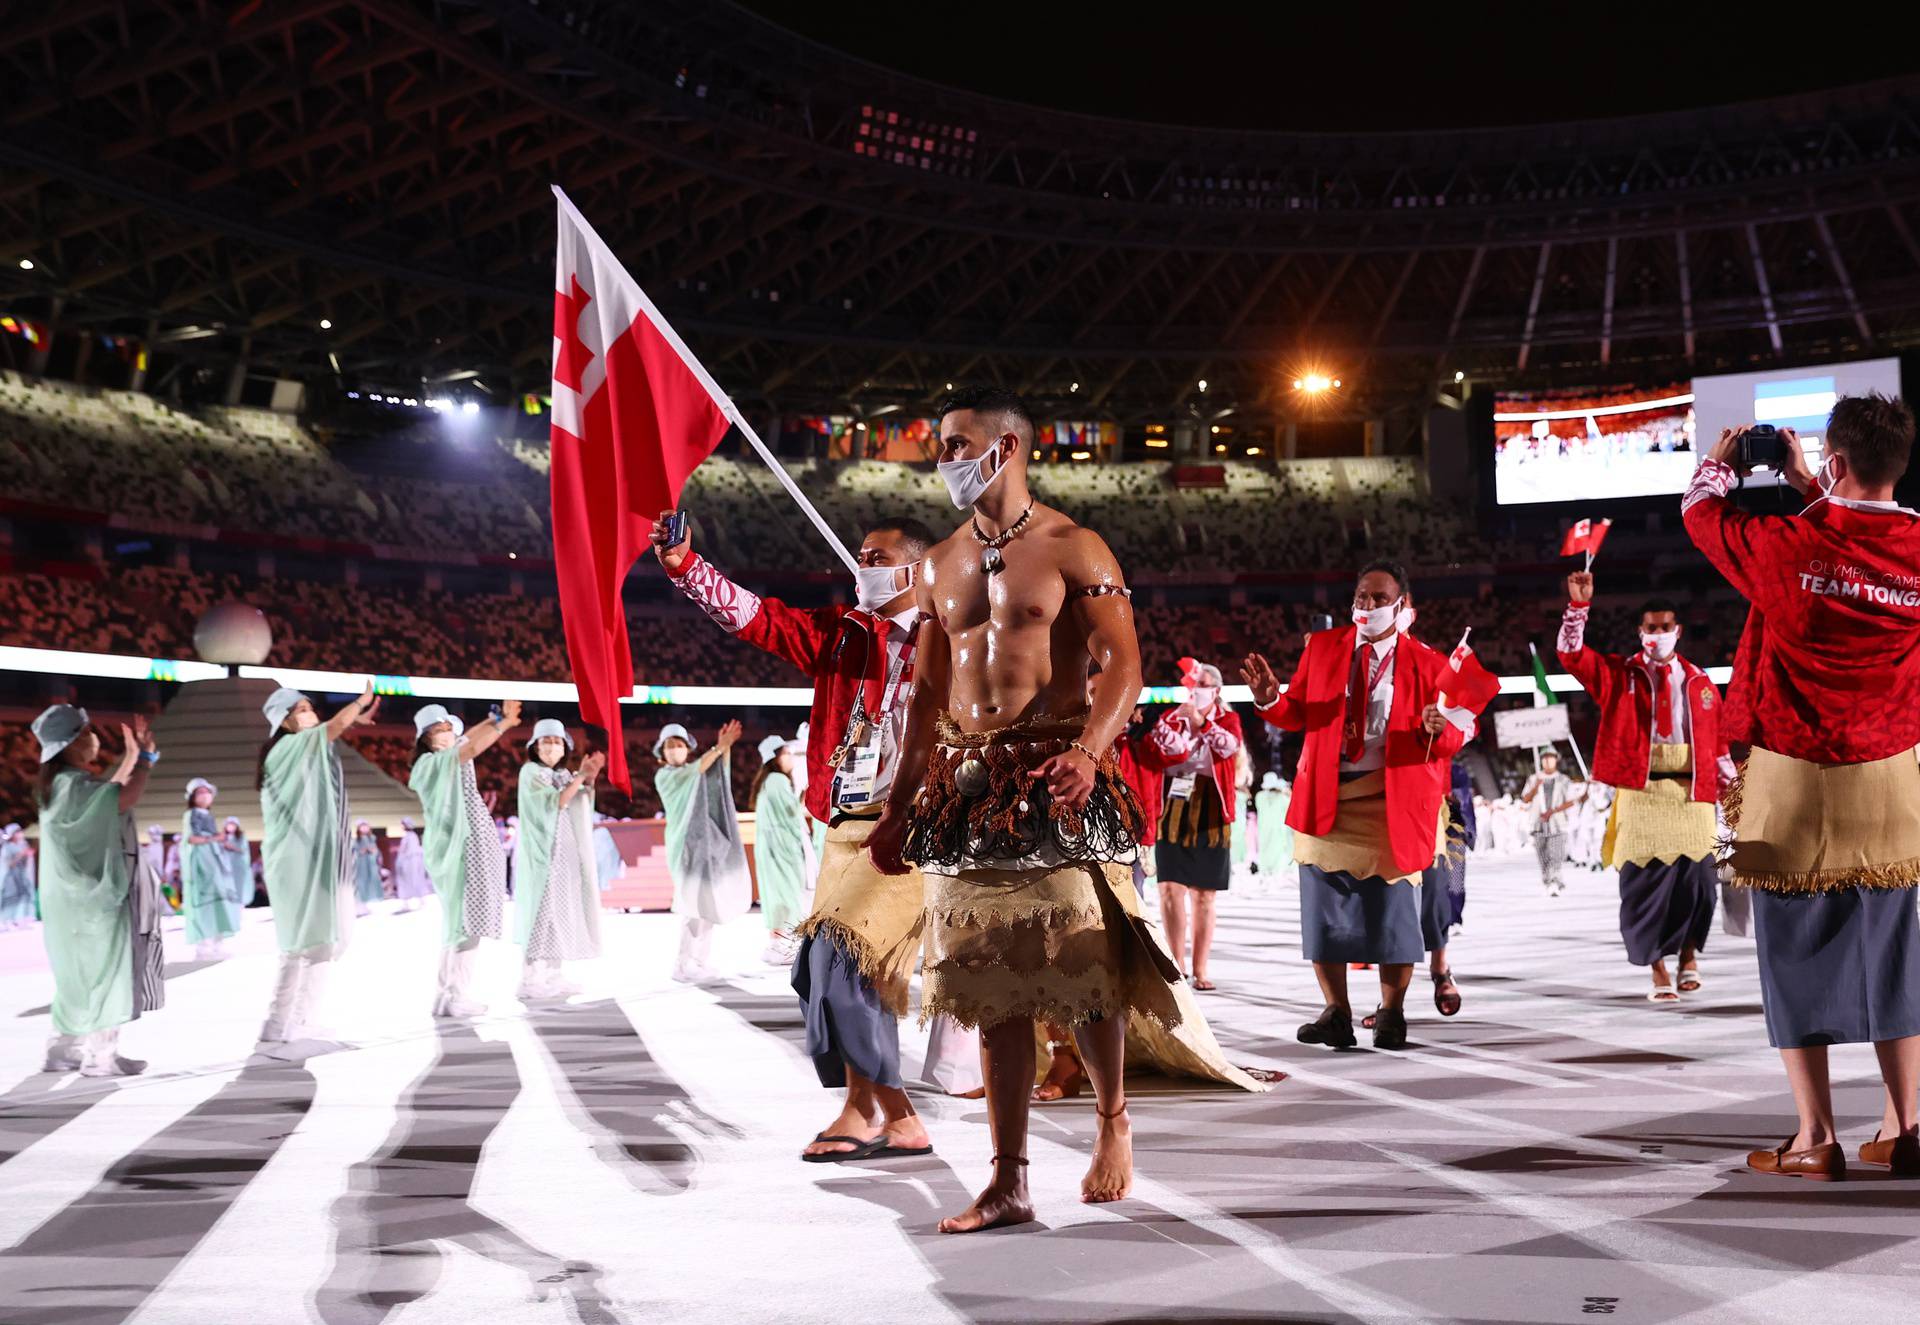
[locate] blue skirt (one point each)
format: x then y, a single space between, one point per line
846 1024
1839 967
1666 908
1438 909
1344 919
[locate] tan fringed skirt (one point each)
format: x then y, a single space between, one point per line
1358 843
877 917
1052 942
1800 827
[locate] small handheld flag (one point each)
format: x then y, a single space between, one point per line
1585 536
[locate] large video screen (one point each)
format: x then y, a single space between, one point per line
1797 398
1593 445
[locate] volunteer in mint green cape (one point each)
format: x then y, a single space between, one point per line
102 909
236 864
304 860
368 886
556 890
1274 850
17 906
779 846
465 859
704 853
606 854
205 891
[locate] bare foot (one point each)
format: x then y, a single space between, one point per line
848 1122
1065 1080
1002 1204
978 1092
1110 1176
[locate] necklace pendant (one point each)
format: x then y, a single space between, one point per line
991 561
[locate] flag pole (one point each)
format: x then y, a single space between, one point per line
719 397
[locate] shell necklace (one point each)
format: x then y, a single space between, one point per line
990 559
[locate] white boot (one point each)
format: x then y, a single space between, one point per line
696 941
456 981
102 1054
65 1053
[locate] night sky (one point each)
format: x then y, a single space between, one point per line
1360 67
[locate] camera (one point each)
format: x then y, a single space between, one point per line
1762 446
675 527
1320 621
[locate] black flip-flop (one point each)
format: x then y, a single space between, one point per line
899 1152
861 1149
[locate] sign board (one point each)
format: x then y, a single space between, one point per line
1524 729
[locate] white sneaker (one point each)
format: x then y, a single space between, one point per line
62 1063
459 1008
694 975
115 1067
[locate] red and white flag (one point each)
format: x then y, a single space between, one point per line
1585 536
1467 684
634 414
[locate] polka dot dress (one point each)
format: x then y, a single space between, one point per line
486 891
560 929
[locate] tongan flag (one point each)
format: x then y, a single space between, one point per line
1467 684
634 414
1585 536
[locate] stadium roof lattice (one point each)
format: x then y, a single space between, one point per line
824 231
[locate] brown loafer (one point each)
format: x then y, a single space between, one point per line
1901 1154
1827 1163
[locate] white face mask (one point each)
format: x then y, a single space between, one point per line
1377 621
876 586
1659 644
963 478
1821 481
1203 697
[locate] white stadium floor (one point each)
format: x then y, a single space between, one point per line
1563 1149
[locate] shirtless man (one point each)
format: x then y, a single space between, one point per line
1022 922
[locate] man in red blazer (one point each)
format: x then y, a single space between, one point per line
859 947
1366 813
1660 745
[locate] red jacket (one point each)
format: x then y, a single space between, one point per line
833 645
1418 766
1829 665
1140 770
1170 743
1622 687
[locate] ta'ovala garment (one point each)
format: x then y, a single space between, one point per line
304 847
206 891
704 852
556 898
101 907
410 868
465 859
780 852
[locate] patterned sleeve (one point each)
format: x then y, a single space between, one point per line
1170 737
1742 546
713 593
1222 741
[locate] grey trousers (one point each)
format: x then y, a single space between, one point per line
1551 848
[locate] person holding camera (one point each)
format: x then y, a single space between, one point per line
1825 812
1659 746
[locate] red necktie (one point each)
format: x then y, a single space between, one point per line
1662 699
877 672
1360 683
